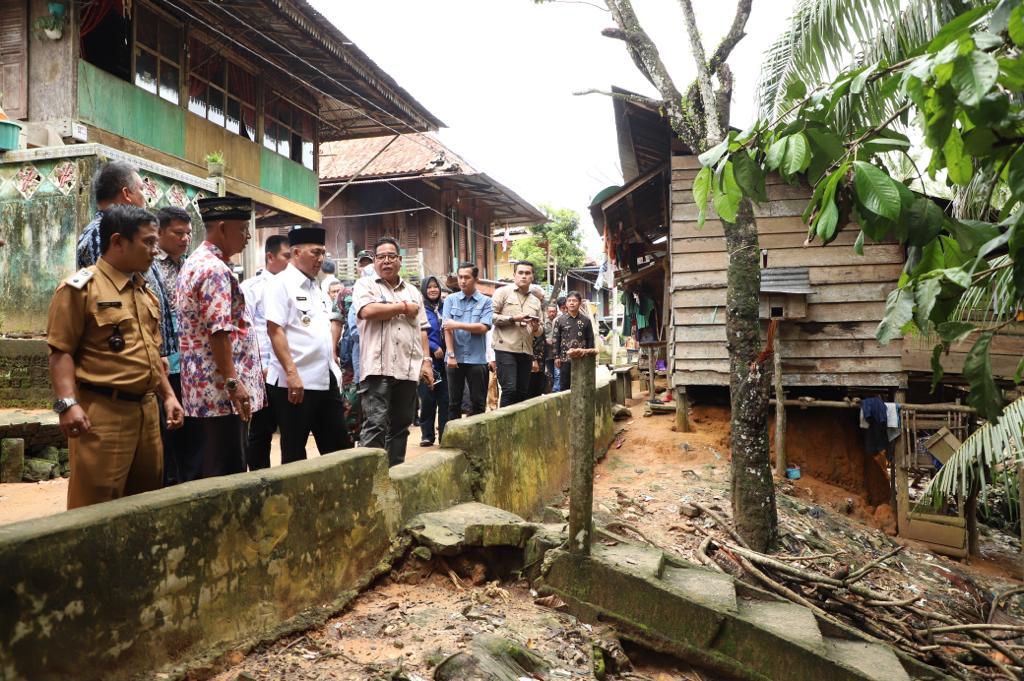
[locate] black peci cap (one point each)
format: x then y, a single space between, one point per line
307 235
224 208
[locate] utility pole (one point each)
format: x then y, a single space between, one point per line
581 443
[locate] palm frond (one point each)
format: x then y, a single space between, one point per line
825 36
994 446
992 299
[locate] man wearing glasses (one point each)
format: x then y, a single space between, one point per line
221 375
303 378
394 352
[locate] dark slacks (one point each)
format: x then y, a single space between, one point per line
181 460
389 406
221 445
473 375
565 377
433 407
261 433
321 412
514 369
538 381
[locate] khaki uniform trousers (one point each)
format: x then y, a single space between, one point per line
122 453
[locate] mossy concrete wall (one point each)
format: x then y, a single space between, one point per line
24 374
520 454
169 580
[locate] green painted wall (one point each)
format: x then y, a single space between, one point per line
287 178
123 109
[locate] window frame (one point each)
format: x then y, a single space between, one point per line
226 90
155 52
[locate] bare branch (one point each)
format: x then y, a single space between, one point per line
735 34
625 96
712 128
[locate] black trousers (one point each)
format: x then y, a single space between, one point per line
389 406
221 449
181 456
514 369
261 433
321 412
473 375
538 381
565 375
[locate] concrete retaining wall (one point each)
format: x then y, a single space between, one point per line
172 579
24 373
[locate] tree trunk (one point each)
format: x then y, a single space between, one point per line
971 515
753 489
780 410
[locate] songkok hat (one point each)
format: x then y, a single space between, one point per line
224 208
364 255
307 235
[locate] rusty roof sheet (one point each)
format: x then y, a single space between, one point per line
412 154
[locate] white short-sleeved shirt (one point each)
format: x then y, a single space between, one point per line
252 289
295 302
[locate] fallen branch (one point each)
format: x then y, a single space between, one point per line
862 572
721 523
975 627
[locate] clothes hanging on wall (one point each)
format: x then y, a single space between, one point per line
874 421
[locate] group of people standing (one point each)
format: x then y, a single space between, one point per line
167 369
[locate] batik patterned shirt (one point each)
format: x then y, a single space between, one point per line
209 300
572 332
87 250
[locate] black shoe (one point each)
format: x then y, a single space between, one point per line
426 443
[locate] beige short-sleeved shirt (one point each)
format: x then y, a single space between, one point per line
391 347
508 336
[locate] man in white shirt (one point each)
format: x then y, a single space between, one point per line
263 422
303 379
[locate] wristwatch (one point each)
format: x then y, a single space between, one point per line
63 404
450 355
231 384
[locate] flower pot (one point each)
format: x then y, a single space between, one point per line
53 33
10 133
215 169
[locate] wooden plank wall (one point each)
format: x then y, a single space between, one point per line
833 346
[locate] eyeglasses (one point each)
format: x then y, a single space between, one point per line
387 257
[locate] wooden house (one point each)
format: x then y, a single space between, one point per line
162 84
441 209
828 300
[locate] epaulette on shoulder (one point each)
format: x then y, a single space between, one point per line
80 278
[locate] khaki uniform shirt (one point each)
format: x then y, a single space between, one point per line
82 320
509 336
391 347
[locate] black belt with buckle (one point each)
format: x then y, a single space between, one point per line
113 393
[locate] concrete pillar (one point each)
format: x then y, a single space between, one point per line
581 442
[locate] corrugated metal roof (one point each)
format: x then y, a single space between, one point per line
785 280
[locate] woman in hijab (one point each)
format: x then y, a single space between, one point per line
434 400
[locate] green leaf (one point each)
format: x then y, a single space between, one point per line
959 25
712 155
925 293
984 40
826 222
776 152
984 394
958 276
1011 73
875 190
954 332
857 84
958 165
923 221
937 371
1015 27
749 176
858 245
899 309
796 91
1000 17
701 191
727 194
798 155
973 76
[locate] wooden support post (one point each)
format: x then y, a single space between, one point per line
780 412
581 443
682 410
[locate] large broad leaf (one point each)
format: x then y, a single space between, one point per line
701 192
899 309
749 176
974 75
712 155
937 371
876 191
984 395
955 28
798 155
954 332
776 153
1015 27
828 219
958 165
922 221
925 293
727 194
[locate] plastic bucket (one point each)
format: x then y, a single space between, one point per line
793 472
10 132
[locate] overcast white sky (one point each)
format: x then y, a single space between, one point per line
501 73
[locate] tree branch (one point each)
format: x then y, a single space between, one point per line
735 34
712 127
625 96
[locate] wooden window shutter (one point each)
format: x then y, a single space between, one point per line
479 242
14 58
372 234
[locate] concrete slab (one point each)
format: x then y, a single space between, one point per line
786 620
448 532
630 558
877 662
703 586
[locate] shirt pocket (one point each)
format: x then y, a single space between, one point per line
116 321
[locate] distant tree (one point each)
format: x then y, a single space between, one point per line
530 249
560 236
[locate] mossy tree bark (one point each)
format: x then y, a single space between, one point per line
753 489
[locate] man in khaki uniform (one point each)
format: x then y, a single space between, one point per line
104 338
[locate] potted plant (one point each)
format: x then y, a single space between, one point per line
49 25
215 163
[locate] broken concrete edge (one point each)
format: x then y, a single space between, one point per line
214 566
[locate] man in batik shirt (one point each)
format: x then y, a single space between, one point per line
222 379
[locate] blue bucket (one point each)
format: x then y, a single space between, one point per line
793 472
10 134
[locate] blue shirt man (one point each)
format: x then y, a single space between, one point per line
466 319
